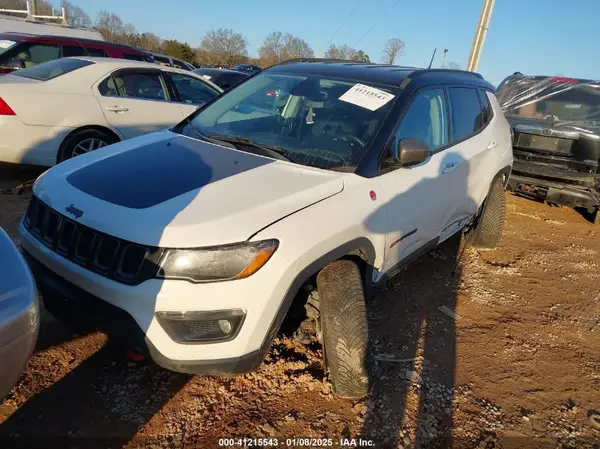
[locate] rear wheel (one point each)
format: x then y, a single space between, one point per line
343 316
82 142
490 226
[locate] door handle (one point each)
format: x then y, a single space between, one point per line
492 145
116 109
449 167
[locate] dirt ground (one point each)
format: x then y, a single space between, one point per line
503 352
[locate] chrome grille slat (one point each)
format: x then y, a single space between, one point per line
106 255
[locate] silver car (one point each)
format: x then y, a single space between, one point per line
19 314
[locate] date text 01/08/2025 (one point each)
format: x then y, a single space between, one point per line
295 442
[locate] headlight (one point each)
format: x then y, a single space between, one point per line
220 263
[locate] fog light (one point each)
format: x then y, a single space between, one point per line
225 326
202 327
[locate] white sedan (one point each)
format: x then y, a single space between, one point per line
69 106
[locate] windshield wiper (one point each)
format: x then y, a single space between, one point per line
268 150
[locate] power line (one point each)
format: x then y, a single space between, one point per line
342 25
375 24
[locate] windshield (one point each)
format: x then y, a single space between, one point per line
52 69
300 116
565 102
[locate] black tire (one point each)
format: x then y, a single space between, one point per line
490 226
71 142
343 316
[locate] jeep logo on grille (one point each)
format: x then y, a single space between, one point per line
77 213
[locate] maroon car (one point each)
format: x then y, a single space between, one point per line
19 51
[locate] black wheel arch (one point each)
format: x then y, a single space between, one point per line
361 250
100 128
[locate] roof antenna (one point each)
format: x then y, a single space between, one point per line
432 56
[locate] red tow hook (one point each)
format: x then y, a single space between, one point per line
133 356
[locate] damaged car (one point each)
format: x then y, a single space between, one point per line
556 139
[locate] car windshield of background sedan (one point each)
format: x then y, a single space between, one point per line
307 119
52 69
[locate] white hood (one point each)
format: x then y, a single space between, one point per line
168 190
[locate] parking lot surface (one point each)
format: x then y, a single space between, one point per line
504 351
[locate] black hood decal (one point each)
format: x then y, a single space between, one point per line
157 172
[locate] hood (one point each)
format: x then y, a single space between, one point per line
168 190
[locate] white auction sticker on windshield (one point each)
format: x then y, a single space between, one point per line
6 44
366 97
206 77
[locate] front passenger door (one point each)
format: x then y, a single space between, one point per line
417 197
137 101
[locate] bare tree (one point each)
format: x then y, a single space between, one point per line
76 16
360 56
393 49
341 52
279 47
222 46
150 42
454 65
113 29
44 7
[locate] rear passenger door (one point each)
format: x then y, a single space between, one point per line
471 144
137 101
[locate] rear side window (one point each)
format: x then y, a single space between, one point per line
466 112
180 64
52 69
162 60
69 50
134 57
486 107
142 85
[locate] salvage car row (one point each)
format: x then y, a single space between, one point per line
189 243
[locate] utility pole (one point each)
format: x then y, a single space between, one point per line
480 34
444 58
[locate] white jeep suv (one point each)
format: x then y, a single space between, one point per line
191 244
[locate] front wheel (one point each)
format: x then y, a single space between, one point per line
343 316
490 225
81 142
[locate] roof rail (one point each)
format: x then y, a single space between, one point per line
295 60
30 16
424 71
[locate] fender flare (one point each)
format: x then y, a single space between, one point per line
360 247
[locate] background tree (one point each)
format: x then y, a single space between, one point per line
360 56
76 16
222 46
44 6
341 52
393 49
279 47
180 50
150 42
454 65
114 30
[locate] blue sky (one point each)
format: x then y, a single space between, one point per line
545 37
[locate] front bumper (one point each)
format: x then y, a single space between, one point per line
128 313
83 311
553 192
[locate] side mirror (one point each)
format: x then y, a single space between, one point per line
16 64
411 152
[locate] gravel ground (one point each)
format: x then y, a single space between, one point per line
503 352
